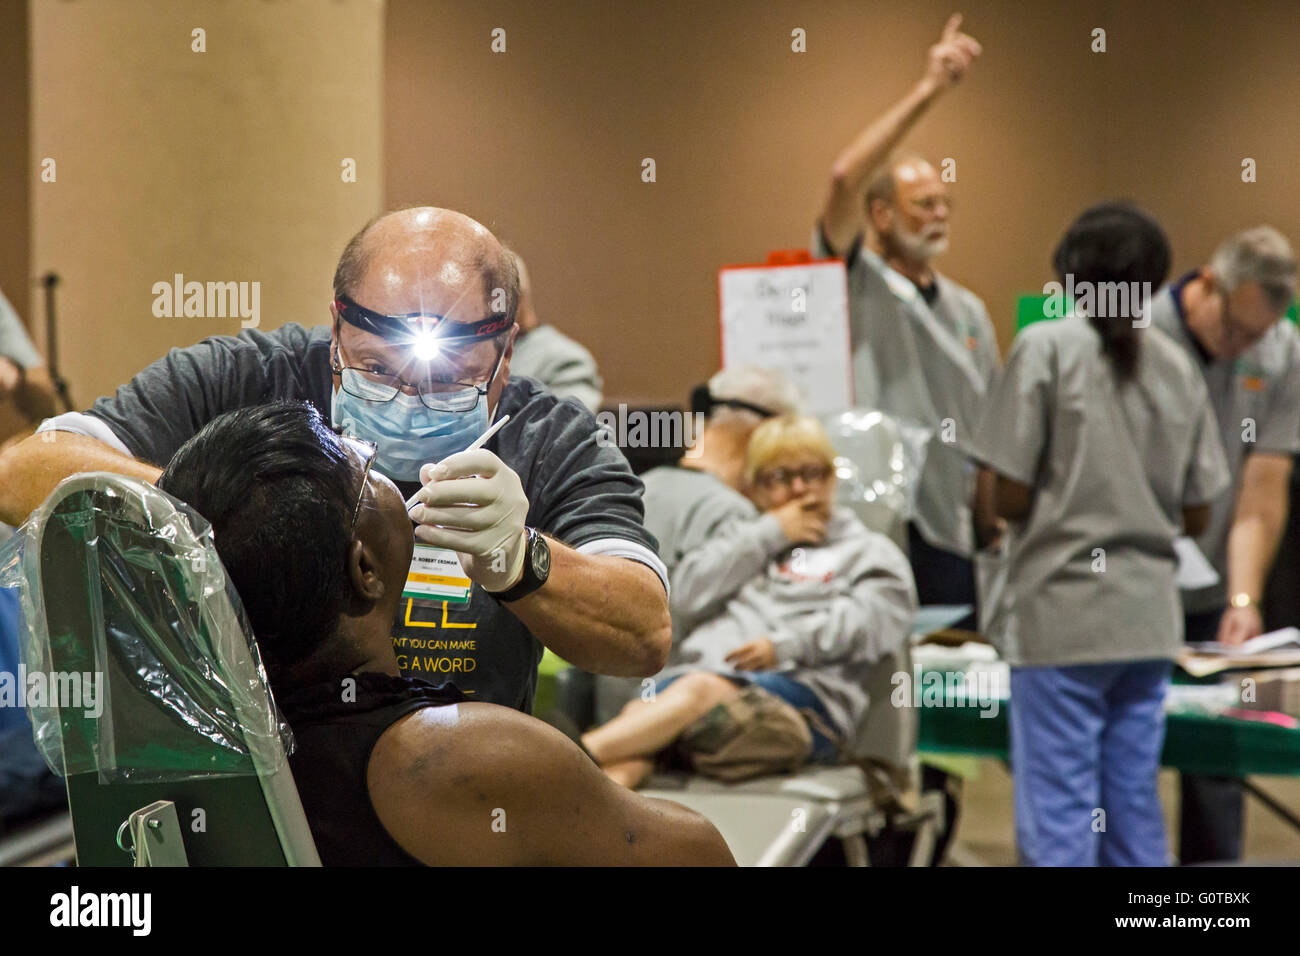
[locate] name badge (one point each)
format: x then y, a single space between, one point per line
436 575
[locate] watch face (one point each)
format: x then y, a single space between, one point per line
541 556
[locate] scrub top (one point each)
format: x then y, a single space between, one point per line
1090 573
925 364
1259 388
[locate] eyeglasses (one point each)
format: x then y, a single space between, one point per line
1235 331
811 475
440 395
369 451
931 203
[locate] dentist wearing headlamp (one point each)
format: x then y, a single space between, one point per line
534 539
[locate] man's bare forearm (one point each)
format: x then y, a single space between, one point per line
607 615
946 63
1252 545
30 470
868 151
1258 522
987 524
851 173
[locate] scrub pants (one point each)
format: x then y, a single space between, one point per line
1085 752
10 615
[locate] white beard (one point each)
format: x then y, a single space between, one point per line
917 248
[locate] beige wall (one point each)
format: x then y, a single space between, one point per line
225 165
222 166
1198 87
544 143
15 195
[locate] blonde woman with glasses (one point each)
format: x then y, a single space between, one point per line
805 629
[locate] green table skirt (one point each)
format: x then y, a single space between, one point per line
1193 743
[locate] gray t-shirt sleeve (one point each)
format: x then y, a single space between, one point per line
168 402
1013 429
580 488
15 344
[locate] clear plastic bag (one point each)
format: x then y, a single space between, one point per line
137 660
879 462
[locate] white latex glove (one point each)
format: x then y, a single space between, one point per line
473 504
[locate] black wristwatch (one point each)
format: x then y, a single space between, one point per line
537 568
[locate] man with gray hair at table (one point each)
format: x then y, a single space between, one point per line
711 537
1227 316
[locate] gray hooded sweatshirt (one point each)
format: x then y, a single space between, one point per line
831 611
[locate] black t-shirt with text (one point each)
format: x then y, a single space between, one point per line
579 490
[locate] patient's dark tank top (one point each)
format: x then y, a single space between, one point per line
333 736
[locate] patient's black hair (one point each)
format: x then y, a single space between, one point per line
278 487
1114 242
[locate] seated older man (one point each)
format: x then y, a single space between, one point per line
392 771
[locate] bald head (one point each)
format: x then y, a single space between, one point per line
909 169
432 260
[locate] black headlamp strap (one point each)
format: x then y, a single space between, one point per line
401 327
703 401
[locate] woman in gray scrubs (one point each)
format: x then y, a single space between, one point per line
1105 447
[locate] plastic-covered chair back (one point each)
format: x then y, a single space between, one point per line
153 687
879 466
879 462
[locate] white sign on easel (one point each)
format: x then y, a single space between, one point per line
793 318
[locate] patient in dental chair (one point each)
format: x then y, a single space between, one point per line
793 643
392 771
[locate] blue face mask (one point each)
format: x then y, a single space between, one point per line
407 432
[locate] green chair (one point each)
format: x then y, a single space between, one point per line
179 757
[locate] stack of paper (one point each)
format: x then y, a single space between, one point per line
1279 648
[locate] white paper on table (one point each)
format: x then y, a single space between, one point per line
1194 570
1270 641
1287 638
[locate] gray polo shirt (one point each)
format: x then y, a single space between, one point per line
1090 572
1255 396
925 364
558 362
